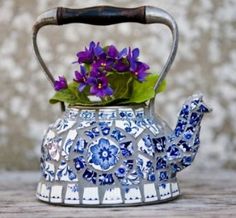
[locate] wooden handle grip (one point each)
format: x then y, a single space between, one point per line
101 15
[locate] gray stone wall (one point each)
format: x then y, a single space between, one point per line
206 62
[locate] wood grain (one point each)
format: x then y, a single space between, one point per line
204 194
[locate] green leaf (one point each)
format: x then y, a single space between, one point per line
69 95
127 90
120 83
143 91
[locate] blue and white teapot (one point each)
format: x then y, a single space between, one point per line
116 155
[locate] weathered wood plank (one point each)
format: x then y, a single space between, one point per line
204 194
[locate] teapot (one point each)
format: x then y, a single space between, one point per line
116 155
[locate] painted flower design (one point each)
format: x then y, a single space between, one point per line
103 155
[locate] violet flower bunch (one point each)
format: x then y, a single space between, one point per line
115 77
97 63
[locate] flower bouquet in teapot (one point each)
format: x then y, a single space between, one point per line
107 76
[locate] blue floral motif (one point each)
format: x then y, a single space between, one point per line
65 173
90 176
159 144
175 167
106 179
94 132
103 155
151 177
129 164
139 121
121 172
105 127
130 127
173 152
117 134
163 176
47 171
145 145
145 168
180 127
80 145
161 163
132 179
186 161
184 112
79 163
188 134
195 118
67 147
71 114
139 113
87 114
62 124
127 148
126 114
107 114
126 174
74 188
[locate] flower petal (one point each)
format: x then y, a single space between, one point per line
81 87
122 53
104 142
135 53
95 159
105 164
108 91
94 90
112 51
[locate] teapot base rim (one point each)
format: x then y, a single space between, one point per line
58 194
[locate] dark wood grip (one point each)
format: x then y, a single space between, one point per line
101 15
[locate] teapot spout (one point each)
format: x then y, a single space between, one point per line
184 141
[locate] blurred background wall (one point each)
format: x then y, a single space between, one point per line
206 62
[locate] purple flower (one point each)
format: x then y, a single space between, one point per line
90 54
111 60
122 64
97 74
81 78
103 64
112 52
133 55
60 84
139 70
99 86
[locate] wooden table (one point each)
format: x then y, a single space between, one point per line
210 193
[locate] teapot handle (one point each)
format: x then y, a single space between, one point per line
107 15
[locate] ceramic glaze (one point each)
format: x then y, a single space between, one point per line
117 155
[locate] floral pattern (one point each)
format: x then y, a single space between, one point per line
103 155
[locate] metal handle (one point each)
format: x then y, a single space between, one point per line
106 15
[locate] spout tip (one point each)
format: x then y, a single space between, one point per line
197 104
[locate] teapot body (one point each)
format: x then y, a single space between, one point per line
106 156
